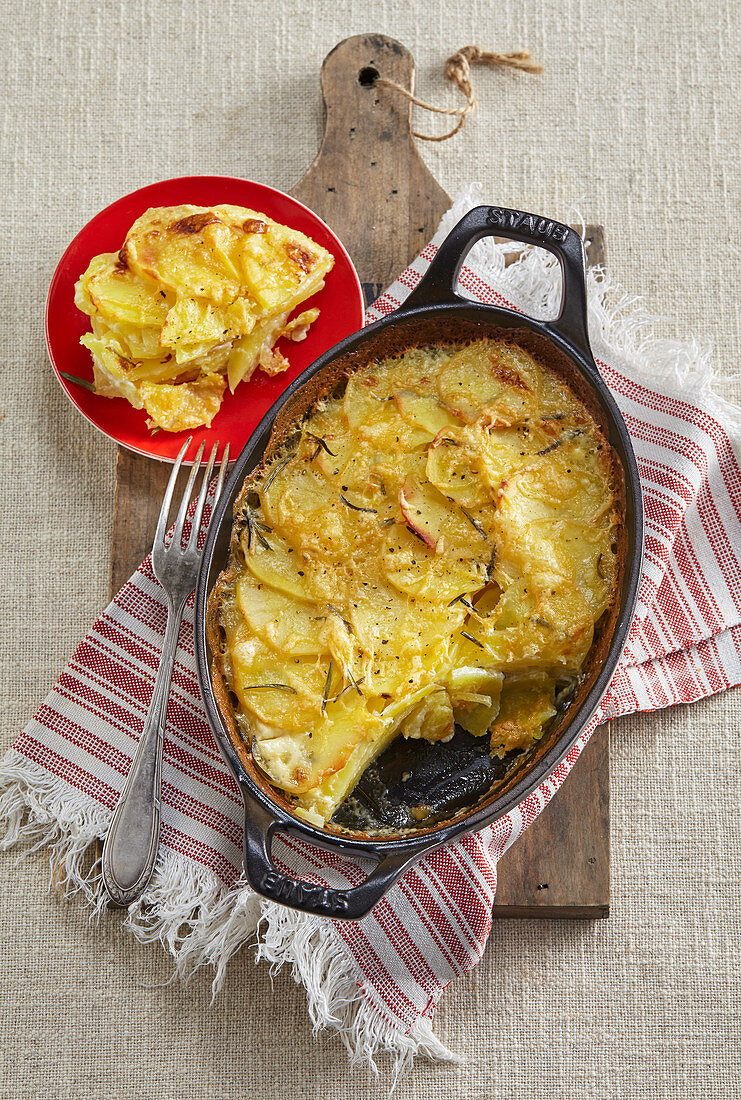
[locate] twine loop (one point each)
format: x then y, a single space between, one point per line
458 72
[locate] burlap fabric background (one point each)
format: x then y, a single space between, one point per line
636 120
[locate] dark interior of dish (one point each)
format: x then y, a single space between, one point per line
417 787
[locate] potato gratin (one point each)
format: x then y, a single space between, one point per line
436 550
196 298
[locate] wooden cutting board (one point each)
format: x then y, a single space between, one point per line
370 185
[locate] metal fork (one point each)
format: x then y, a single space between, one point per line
130 848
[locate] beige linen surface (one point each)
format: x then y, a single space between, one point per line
636 121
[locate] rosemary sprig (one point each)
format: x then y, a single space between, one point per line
474 523
471 638
341 616
348 687
547 450
491 565
561 439
357 507
255 528
275 471
321 445
327 685
468 605
82 382
271 687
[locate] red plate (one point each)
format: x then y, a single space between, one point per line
340 302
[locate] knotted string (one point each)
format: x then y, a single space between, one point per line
458 72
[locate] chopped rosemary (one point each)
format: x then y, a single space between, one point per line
388 522
327 685
474 523
599 567
270 687
82 382
472 639
356 507
275 471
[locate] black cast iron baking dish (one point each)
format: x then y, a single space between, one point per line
433 314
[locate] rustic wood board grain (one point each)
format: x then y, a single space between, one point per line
370 185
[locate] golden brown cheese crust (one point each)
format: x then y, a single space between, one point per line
437 549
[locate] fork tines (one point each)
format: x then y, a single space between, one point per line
162 549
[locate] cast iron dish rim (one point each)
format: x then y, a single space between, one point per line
572 340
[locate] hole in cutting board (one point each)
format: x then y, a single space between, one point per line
368 76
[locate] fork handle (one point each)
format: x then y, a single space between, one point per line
131 845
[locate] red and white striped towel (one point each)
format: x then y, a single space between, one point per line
377 982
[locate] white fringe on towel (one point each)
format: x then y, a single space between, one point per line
185 908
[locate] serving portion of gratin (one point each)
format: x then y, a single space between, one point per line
196 298
435 550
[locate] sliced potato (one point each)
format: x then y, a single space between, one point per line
526 706
454 468
281 567
287 625
412 567
424 410
118 294
431 719
284 694
244 358
198 321
187 405
490 376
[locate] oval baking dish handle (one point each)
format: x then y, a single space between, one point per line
438 287
265 878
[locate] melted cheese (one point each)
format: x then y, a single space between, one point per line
436 550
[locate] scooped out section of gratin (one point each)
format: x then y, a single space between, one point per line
195 300
435 551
